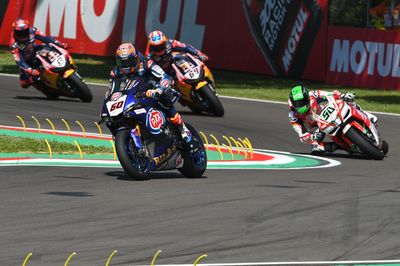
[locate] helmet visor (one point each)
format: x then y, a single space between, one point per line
21 35
301 105
158 48
127 62
303 109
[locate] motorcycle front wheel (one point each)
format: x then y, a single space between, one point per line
211 101
82 90
135 163
364 144
195 164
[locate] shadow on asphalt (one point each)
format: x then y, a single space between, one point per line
69 194
190 113
38 98
338 155
121 175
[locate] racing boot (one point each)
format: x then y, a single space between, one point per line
185 132
317 148
26 83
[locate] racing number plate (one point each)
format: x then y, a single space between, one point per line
193 73
116 107
328 111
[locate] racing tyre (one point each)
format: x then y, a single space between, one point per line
384 147
213 104
194 164
136 165
82 89
363 143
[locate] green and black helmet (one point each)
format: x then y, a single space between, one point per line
299 99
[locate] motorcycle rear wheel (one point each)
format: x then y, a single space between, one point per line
364 144
83 90
190 168
136 167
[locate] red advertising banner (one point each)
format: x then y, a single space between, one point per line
280 37
363 57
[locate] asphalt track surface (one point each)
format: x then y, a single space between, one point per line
349 212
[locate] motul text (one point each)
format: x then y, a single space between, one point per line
293 41
369 57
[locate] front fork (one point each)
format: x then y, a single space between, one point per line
135 134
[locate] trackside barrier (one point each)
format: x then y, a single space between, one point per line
99 128
66 125
239 146
26 259
153 261
218 149
79 149
250 146
242 146
155 257
37 123
199 259
204 137
230 150
83 129
244 150
22 122
229 142
49 147
52 125
69 258
110 257
114 150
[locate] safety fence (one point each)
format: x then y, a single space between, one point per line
227 147
108 261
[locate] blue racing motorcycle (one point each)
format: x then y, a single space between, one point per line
145 140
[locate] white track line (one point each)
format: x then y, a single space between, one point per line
222 96
292 263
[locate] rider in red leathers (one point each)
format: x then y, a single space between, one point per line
303 103
23 49
159 49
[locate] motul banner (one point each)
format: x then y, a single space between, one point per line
287 33
275 37
364 57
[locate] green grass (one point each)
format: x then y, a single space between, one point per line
97 69
10 144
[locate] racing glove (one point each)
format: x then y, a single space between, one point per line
317 135
203 57
65 45
153 93
305 137
348 97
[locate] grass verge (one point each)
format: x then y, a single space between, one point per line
9 144
97 69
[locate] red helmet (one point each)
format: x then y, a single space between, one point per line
21 29
127 57
157 42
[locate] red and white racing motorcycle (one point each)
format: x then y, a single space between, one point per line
58 74
351 129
